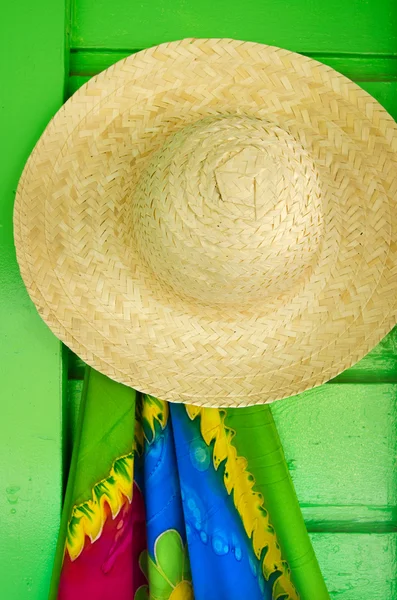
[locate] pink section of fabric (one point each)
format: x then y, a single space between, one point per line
108 567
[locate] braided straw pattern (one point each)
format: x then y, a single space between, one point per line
212 221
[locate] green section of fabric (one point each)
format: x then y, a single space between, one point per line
169 573
107 422
170 555
256 439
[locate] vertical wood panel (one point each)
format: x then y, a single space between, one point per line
32 375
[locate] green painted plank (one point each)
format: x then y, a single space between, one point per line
341 446
301 25
358 567
75 82
365 67
350 519
32 374
358 67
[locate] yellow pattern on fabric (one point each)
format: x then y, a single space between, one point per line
149 411
87 519
248 502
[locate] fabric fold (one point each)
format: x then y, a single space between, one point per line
176 502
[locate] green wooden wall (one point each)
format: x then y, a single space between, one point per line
32 60
340 439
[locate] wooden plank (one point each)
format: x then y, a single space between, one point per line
32 375
340 444
358 567
357 518
301 25
361 67
75 82
357 67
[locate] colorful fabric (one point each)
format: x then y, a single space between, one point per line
163 504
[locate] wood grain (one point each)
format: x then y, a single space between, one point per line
31 358
299 25
358 566
355 66
340 444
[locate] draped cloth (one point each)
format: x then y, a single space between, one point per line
177 502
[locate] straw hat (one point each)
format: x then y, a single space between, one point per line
214 221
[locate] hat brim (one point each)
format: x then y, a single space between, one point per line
73 216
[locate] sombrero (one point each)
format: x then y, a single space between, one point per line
213 221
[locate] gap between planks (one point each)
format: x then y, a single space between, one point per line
350 519
359 67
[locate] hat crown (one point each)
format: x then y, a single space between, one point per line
229 210
246 182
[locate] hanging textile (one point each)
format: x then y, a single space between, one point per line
177 502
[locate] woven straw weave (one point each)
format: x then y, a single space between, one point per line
214 222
